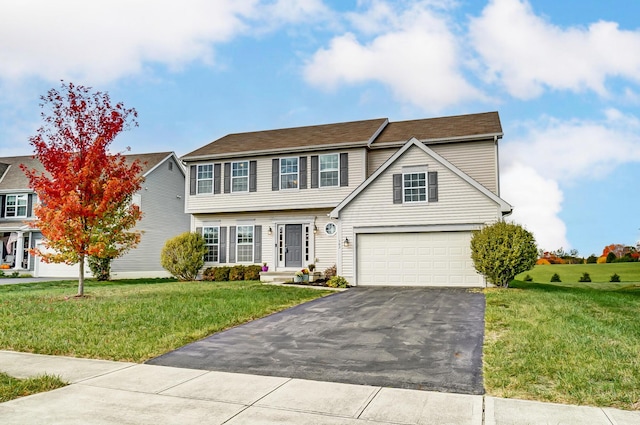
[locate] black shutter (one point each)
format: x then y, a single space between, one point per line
193 170
227 177
2 198
275 174
30 205
433 186
302 168
344 169
253 178
232 244
257 244
216 178
314 171
397 188
222 251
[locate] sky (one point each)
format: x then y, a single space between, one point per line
563 75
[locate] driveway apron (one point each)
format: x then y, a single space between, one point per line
414 338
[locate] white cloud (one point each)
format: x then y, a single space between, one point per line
413 52
577 149
101 41
529 54
536 201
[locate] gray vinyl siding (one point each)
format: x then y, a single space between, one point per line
162 205
323 247
478 159
458 203
265 198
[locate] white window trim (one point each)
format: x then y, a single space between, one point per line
233 178
290 174
198 179
425 187
18 196
238 244
212 244
320 170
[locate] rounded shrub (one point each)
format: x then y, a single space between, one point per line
236 273
337 282
555 278
585 278
183 255
252 272
221 273
614 278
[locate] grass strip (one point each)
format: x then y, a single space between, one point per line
564 343
12 388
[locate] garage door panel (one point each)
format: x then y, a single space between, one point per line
416 259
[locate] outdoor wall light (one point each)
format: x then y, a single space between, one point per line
315 229
270 232
346 242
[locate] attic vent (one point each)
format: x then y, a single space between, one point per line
170 165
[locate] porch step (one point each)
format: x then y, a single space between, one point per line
285 276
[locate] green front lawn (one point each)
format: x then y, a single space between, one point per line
565 343
132 320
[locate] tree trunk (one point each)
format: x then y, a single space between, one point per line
81 278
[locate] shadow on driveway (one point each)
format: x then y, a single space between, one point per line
416 338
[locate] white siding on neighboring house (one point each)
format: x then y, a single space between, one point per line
264 198
162 203
458 204
322 247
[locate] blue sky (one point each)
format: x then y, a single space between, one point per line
564 76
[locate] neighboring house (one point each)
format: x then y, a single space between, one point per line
161 200
389 203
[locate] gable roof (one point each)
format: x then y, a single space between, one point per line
13 178
472 126
373 133
505 207
355 133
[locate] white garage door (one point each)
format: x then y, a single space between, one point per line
43 269
416 259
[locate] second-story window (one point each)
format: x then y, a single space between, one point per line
289 173
205 178
329 170
415 187
16 206
240 176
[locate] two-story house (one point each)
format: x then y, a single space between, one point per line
161 200
389 203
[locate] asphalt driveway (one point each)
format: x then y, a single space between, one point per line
416 338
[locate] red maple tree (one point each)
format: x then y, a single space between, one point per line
84 192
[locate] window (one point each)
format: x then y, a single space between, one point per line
329 170
244 244
16 206
240 176
288 173
212 242
330 229
415 187
205 178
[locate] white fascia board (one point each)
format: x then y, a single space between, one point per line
283 151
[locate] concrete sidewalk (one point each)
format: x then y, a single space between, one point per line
104 392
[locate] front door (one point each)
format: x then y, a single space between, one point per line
293 245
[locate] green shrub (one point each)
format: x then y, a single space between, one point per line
183 255
337 282
592 259
611 257
502 250
100 267
15 274
627 258
330 272
528 278
614 278
555 278
209 273
585 277
236 273
221 273
252 272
